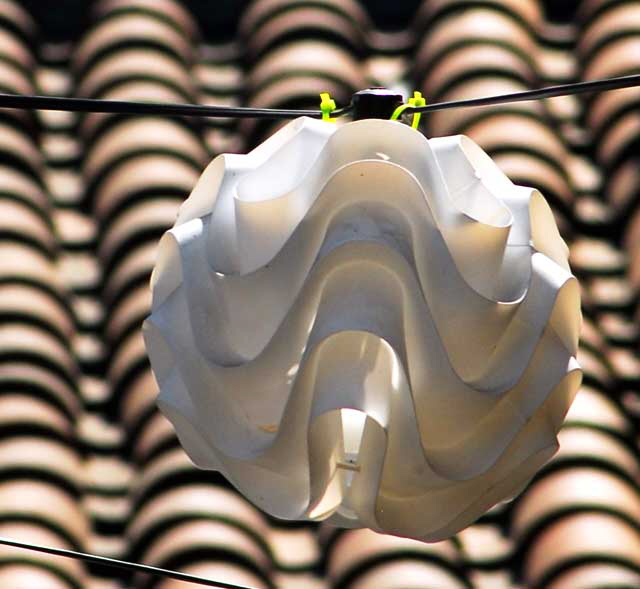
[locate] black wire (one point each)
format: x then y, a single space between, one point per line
122 564
196 110
146 108
548 92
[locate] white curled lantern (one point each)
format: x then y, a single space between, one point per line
361 325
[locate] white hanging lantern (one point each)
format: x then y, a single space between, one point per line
359 324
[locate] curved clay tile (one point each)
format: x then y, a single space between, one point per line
21 186
137 135
38 454
501 130
226 572
618 328
130 29
596 256
611 293
143 173
477 25
590 8
624 17
31 532
16 375
33 500
28 575
594 407
133 268
462 63
18 410
14 79
20 146
485 546
20 17
617 58
308 21
132 90
194 500
29 301
143 217
157 433
597 537
295 549
596 369
354 548
530 11
597 575
322 59
131 309
574 488
206 535
168 8
447 122
619 137
399 573
131 63
606 106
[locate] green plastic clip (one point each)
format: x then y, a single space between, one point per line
327 106
416 100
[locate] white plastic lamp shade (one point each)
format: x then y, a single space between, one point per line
361 325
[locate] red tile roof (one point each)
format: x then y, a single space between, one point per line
86 460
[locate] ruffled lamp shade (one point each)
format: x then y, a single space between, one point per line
355 323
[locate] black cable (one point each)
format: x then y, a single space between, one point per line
122 564
88 105
549 92
196 110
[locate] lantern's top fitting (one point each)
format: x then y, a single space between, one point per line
375 103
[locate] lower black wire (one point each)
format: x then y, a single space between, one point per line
122 564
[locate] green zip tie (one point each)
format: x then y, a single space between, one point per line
416 100
327 106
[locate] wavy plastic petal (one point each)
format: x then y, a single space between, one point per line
359 324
